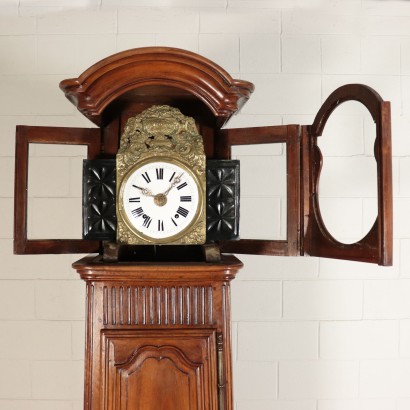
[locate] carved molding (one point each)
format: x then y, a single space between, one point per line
129 70
158 305
176 356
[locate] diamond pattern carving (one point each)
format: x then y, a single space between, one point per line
222 207
99 216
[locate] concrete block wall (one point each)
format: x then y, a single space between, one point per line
308 333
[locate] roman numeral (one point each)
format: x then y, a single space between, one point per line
183 185
186 198
182 211
146 177
147 221
172 176
137 212
160 225
137 199
160 173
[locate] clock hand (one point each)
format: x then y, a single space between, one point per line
144 191
175 181
159 199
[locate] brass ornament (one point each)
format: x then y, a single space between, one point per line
162 133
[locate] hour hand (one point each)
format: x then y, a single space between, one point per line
144 191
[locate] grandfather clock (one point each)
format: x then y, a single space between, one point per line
158 304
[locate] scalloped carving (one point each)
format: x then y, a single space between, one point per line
129 70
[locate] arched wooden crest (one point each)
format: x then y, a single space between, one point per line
376 246
129 70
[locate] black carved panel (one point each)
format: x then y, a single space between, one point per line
222 200
222 204
99 216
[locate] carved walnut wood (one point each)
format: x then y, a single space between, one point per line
158 336
152 67
151 370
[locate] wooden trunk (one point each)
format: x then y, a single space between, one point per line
158 336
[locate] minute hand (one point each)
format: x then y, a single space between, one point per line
176 181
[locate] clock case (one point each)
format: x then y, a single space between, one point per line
127 83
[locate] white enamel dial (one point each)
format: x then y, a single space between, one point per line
160 200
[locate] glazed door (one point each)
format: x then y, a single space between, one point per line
31 137
377 245
287 139
306 233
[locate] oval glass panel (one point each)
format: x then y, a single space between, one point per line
348 179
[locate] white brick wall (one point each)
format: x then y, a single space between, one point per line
308 333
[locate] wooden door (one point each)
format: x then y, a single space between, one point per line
159 370
289 135
377 245
306 231
26 135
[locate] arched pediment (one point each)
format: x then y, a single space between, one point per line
141 68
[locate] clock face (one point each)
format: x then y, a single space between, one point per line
159 200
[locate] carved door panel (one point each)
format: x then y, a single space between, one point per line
157 370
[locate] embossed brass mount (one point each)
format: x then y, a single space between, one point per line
162 132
